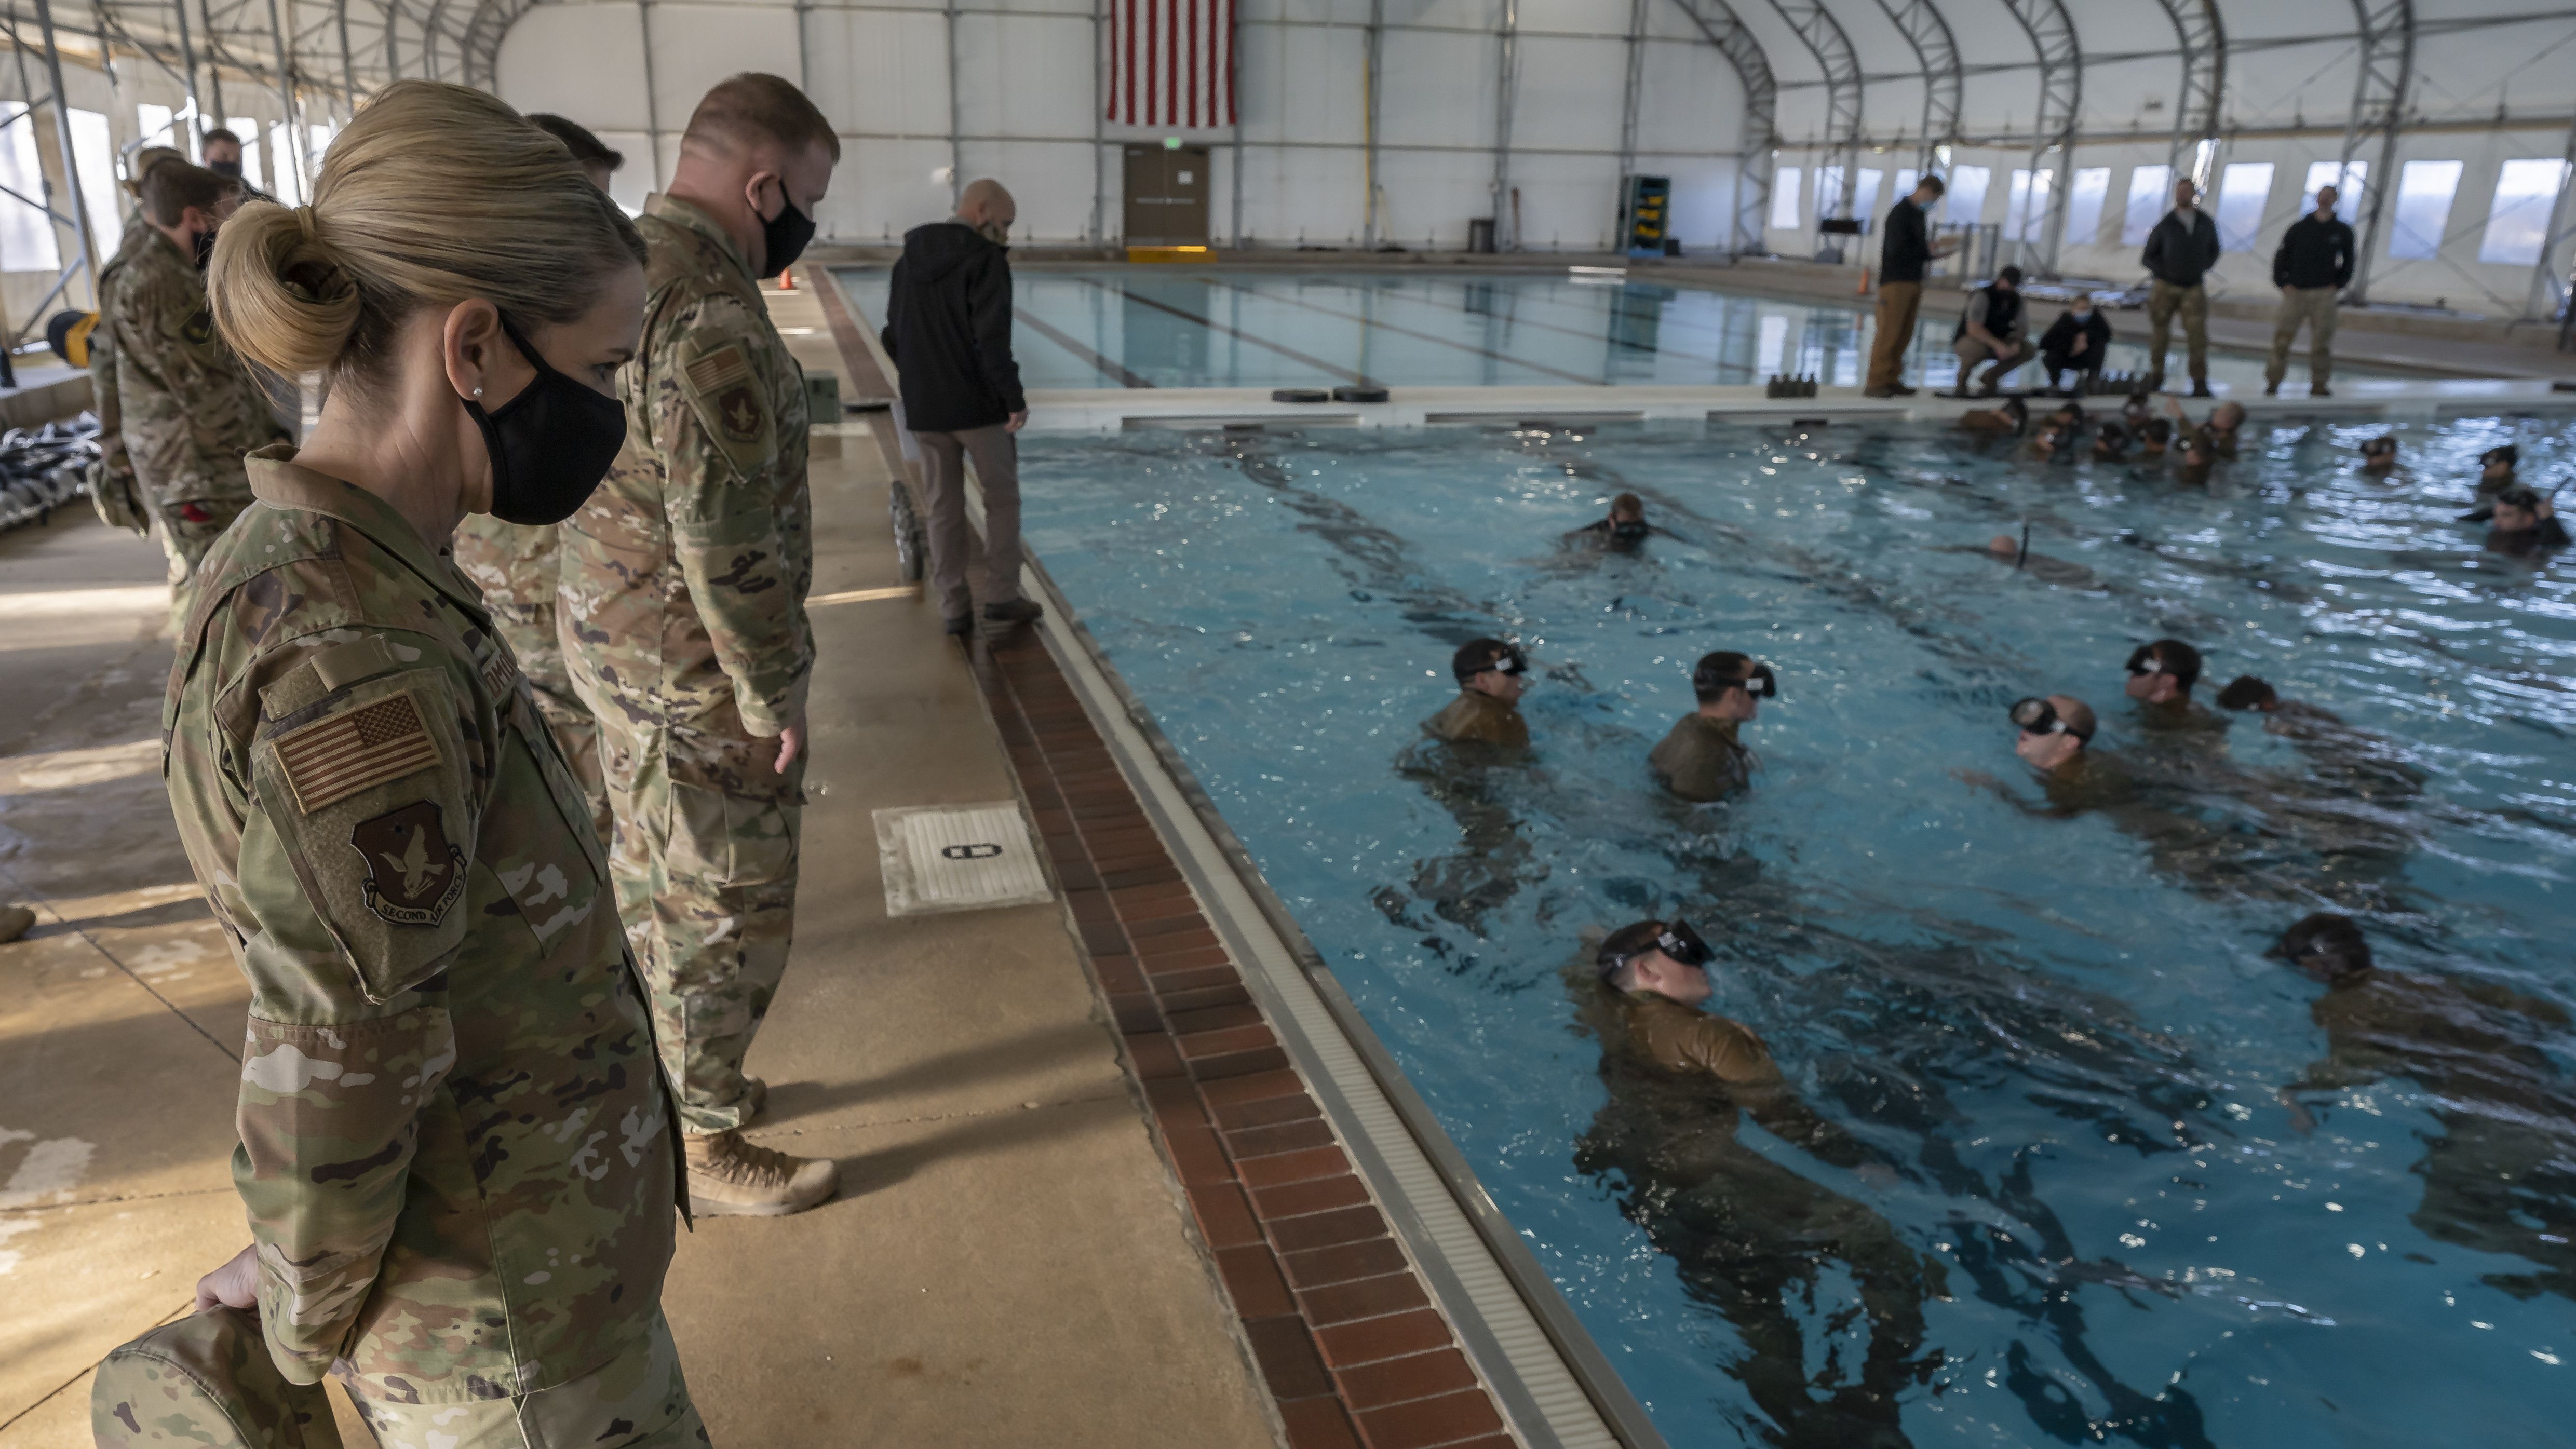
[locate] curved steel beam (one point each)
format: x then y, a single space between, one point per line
1831 45
2203 37
2379 96
1937 52
1717 20
2061 99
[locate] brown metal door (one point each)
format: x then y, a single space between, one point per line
1167 196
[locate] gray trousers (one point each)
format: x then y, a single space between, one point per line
943 474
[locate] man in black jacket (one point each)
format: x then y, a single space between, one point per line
948 329
1904 250
2075 342
2180 251
2312 266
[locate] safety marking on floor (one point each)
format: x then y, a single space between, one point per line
862 596
958 858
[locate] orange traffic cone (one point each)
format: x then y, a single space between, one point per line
1863 289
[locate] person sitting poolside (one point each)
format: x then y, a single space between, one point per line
2161 676
1487 709
2379 455
1624 528
1990 333
2010 420
1701 759
2110 444
2525 523
2075 343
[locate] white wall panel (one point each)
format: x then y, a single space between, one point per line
1439 89
695 46
604 91
1569 95
1026 75
880 74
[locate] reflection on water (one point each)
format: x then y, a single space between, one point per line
2059 1155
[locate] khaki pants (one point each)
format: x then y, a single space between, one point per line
2316 307
1898 303
2193 303
943 478
1972 352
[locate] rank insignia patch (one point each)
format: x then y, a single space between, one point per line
414 874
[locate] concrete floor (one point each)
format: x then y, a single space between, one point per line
1009 1261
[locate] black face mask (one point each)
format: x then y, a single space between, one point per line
783 237
550 445
224 168
205 249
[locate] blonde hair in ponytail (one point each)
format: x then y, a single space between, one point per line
434 194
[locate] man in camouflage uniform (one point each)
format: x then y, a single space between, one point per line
454 1155
188 408
519 569
112 487
205 1380
684 582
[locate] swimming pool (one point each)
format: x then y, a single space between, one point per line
2059 1037
1199 326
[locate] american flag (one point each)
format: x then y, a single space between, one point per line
335 758
1171 63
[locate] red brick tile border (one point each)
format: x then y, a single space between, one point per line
1345 1334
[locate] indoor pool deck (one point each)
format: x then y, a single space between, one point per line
1013 1260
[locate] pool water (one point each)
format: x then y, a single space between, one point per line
1201 326
2079 1211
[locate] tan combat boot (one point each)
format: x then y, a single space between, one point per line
729 1177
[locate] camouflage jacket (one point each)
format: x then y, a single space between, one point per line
518 568
455 1145
188 408
118 469
684 577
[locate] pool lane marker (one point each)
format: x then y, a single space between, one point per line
1210 323
1466 347
1098 363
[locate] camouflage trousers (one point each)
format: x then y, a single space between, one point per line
705 860
529 630
637 1401
206 1379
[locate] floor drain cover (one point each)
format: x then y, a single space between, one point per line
958 858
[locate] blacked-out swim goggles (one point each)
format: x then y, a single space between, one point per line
2143 660
1760 683
1676 939
2039 717
1631 528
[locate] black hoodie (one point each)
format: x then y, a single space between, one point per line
948 329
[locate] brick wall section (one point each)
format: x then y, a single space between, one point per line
1346 1337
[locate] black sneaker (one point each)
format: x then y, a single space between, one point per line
2320 390
1014 611
2201 389
2271 389
962 624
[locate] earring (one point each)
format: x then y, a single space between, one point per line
478 392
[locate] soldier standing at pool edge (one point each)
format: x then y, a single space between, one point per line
683 619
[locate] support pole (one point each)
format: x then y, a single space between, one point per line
290 126
1100 103
956 111
1371 77
215 65
63 139
348 58
1506 91
1635 89
188 79
652 106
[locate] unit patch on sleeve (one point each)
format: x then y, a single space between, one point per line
730 394
333 759
413 872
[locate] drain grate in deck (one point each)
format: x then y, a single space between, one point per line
958 858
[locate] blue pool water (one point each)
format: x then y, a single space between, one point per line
2061 1033
1196 326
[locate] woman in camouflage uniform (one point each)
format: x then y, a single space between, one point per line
456 1149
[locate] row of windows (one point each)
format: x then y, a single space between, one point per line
2517 222
27 240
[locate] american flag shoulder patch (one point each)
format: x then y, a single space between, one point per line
333 759
718 370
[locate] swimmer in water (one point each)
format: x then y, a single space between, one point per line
2110 444
1700 759
2054 440
1487 709
2153 435
2525 523
1748 1236
2498 1179
2161 676
2379 455
2004 548
1624 529
2355 763
2009 421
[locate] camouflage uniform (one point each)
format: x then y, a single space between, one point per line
517 568
683 611
114 482
188 408
206 1380
1701 759
453 1148
1477 717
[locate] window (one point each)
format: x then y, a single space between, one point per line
1865 195
281 144
94 152
1965 205
1784 198
2150 197
2348 188
1772 345
2424 190
153 125
1829 191
2518 221
1906 181
2026 207
2242 192
26 238
2084 205
248 130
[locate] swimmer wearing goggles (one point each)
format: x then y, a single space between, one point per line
2162 674
1487 710
2054 730
1667 958
1701 759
